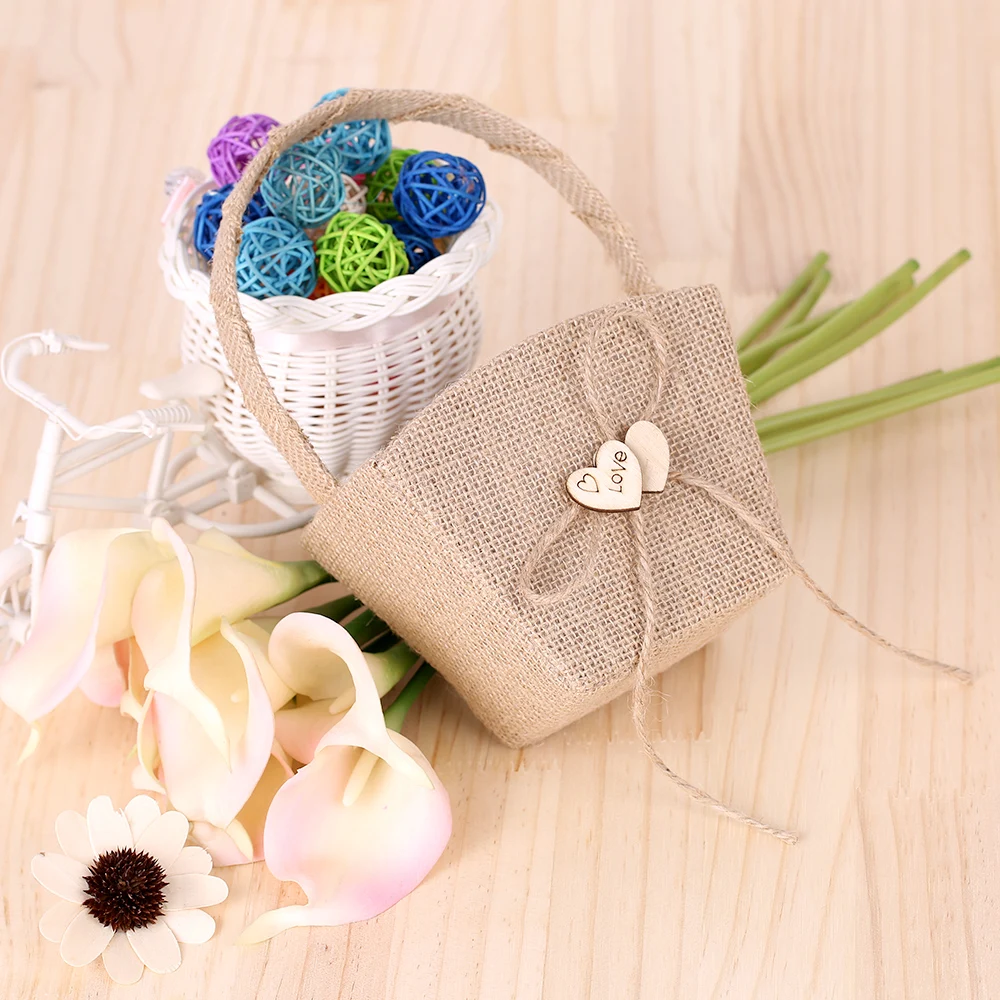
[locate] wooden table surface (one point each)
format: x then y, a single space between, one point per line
737 138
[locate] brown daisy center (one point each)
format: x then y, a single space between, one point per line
125 889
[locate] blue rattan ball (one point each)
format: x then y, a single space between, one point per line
305 185
363 144
419 248
275 258
438 194
208 215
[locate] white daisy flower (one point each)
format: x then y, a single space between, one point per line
130 888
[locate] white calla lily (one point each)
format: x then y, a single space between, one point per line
361 825
210 788
181 603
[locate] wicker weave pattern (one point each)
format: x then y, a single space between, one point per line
349 400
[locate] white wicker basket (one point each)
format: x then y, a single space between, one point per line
350 367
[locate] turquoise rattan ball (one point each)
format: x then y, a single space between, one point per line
275 258
305 185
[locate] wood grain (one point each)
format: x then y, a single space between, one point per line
737 138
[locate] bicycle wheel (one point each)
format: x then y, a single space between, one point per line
15 599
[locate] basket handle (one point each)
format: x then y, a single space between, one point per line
501 133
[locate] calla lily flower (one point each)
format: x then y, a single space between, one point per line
226 796
105 682
323 683
360 826
243 839
84 608
181 603
299 729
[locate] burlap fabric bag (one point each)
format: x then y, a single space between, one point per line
460 532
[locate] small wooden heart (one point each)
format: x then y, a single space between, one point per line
614 483
649 444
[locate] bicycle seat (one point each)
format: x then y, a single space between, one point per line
193 381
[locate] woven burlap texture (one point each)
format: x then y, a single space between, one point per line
433 532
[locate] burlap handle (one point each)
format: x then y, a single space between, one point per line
501 133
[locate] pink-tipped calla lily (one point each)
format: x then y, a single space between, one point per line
181 603
84 608
299 729
360 826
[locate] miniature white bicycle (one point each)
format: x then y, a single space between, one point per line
174 490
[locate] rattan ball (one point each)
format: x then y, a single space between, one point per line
439 194
355 195
236 144
382 183
363 144
305 185
208 215
419 248
357 252
275 258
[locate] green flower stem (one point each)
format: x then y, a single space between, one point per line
753 357
365 627
805 305
781 422
955 383
392 665
783 302
338 609
396 712
312 575
821 354
836 329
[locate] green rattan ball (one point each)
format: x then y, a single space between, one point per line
357 252
382 183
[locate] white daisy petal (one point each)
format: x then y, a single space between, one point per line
56 919
190 926
157 947
185 892
141 812
109 829
121 962
191 861
164 838
85 938
71 832
61 875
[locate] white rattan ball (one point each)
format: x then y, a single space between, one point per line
355 196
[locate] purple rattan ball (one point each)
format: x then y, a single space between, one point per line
236 144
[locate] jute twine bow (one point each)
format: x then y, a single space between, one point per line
643 574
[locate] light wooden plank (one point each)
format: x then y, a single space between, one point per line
737 139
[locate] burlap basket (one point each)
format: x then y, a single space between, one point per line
434 532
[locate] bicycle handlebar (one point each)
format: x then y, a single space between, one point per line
48 342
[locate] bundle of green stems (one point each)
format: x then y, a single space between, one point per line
787 343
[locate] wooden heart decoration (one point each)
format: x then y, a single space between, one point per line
614 483
649 444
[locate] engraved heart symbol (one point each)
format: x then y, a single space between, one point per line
615 482
651 449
